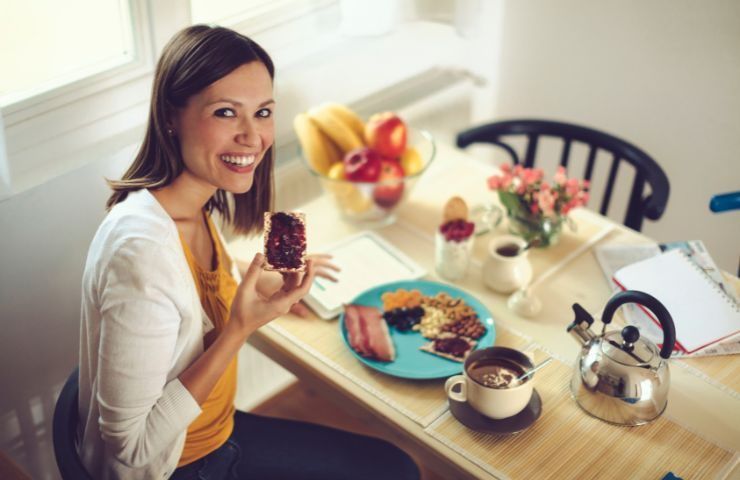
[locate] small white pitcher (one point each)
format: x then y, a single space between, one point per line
505 271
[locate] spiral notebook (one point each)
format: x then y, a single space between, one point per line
702 312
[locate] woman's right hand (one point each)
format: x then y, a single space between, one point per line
250 310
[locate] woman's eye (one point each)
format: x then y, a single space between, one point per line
225 112
264 113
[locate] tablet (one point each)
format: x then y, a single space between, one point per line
366 260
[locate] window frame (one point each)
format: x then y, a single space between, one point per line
63 128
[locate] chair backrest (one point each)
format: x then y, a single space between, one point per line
647 171
66 417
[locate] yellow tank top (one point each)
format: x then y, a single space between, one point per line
216 290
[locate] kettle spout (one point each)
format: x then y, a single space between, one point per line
580 327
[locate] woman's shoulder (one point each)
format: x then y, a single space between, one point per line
140 216
137 223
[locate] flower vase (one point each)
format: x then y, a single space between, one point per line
542 231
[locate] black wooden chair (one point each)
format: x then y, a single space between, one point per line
647 171
66 417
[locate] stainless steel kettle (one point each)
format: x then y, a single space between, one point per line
619 377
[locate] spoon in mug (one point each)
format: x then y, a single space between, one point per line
535 242
534 369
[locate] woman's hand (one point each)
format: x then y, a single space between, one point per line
270 282
251 308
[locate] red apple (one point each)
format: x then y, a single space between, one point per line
389 190
386 133
362 165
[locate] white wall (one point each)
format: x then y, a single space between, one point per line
45 235
662 74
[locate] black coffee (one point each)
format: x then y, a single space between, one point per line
509 250
496 372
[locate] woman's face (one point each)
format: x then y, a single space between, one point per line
225 129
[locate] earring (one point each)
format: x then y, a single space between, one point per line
170 132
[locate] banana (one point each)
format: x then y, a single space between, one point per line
350 118
332 150
317 149
336 129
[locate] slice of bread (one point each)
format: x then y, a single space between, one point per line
430 347
273 244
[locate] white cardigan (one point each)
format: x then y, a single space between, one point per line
142 325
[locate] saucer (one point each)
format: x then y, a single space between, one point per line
466 415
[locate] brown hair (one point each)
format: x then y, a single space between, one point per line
193 59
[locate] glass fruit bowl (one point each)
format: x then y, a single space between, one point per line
373 204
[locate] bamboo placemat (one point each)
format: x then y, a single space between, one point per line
567 443
723 371
420 400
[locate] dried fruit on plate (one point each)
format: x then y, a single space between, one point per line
401 298
285 241
403 319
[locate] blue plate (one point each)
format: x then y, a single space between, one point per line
411 362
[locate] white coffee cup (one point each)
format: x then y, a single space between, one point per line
506 273
496 403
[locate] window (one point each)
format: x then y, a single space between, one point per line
46 53
225 12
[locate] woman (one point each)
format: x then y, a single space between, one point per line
162 316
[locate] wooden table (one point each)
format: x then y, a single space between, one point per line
703 401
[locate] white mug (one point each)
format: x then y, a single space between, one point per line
503 273
496 403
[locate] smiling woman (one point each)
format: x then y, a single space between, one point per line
203 112
163 312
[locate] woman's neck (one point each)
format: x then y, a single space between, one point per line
184 198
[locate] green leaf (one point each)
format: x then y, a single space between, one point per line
510 201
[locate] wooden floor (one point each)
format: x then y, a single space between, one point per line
299 402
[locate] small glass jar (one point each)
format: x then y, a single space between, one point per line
452 257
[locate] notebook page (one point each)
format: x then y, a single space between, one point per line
701 312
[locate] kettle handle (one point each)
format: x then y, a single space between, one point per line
658 309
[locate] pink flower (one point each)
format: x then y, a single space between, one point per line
537 196
560 176
546 201
506 181
494 182
530 176
571 187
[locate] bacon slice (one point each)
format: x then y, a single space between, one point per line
357 337
378 334
368 333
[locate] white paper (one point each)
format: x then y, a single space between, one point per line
613 257
701 313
